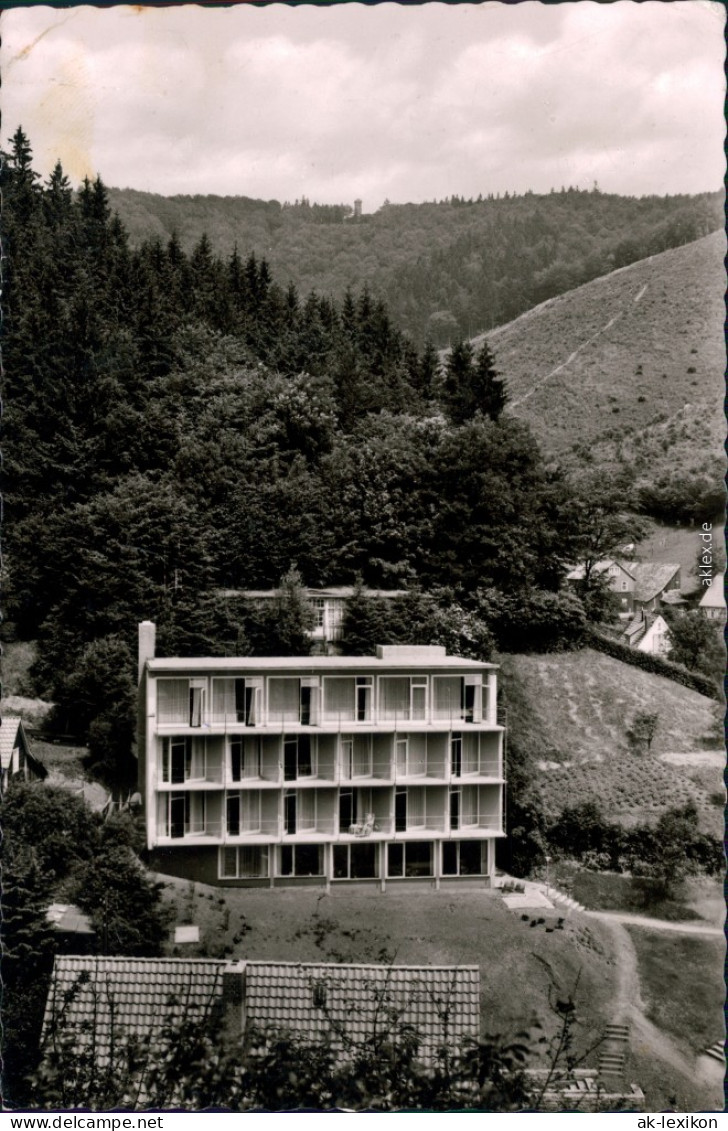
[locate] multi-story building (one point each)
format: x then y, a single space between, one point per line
321 769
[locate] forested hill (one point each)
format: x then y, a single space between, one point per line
446 269
626 373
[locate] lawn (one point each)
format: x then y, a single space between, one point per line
608 891
681 980
522 966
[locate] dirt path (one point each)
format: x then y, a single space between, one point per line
629 1009
657 924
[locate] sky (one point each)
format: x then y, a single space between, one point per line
384 102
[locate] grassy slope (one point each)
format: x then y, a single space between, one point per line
637 369
574 709
520 965
681 981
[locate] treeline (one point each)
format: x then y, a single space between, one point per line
446 270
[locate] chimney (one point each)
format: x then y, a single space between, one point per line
147 639
233 1000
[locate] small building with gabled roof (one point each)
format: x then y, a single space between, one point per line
712 603
16 760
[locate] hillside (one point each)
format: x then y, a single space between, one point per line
445 269
568 716
632 362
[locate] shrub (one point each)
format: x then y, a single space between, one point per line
649 663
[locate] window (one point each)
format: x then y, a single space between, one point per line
246 758
401 752
289 810
395 860
237 700
418 699
183 759
309 701
403 698
197 702
347 809
455 802
172 701
246 862
179 814
363 698
319 609
187 813
456 755
233 814
355 861
244 812
301 860
464 858
411 860
356 756
418 859
284 700
400 810
298 761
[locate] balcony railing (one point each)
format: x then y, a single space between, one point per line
378 771
337 720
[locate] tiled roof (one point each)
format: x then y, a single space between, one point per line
9 726
142 994
651 578
442 1002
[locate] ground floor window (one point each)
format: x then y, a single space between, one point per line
464 858
301 860
355 862
245 862
412 859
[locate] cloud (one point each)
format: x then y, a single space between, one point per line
384 101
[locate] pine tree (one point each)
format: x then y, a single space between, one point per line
489 391
457 388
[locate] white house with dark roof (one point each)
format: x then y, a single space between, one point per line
16 760
324 769
712 603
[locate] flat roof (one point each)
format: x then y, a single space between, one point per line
314 664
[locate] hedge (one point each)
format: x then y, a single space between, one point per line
650 663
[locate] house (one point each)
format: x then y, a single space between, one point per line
618 576
656 638
640 587
323 769
712 603
653 582
16 760
106 1000
329 606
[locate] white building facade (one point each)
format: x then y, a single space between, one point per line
321 769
